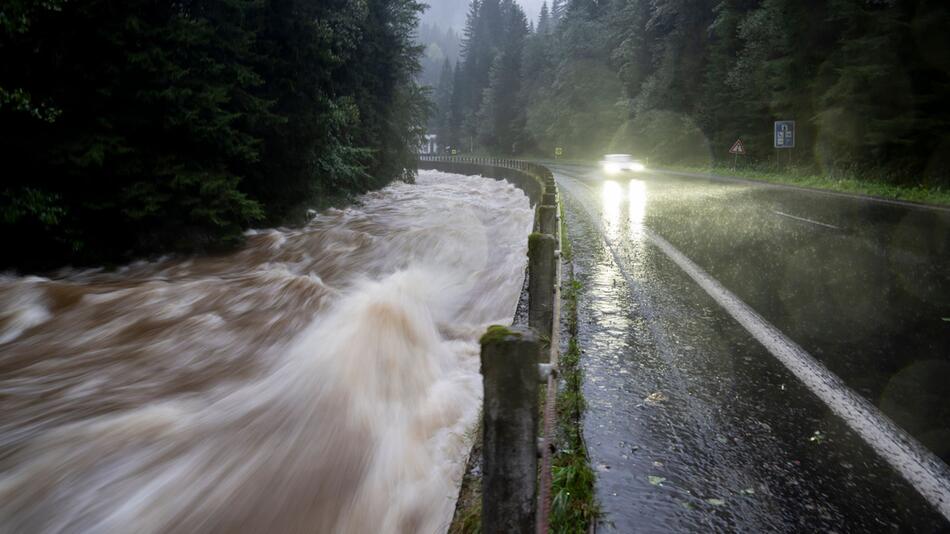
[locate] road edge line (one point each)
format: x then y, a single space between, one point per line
915 463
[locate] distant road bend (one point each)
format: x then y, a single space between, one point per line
760 356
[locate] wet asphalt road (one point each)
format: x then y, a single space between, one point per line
692 424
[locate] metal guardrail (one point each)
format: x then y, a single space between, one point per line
521 165
512 368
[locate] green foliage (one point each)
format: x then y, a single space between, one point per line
843 181
679 81
573 504
15 19
567 251
30 203
485 104
149 127
20 101
669 136
470 520
851 73
497 333
441 46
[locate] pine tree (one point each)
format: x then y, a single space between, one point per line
140 127
558 7
866 114
501 114
721 113
443 103
457 108
544 20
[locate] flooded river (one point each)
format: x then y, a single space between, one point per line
321 379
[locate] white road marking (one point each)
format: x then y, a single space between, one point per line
921 468
783 214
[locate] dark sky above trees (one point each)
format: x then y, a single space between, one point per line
452 12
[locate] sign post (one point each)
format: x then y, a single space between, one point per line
784 136
738 149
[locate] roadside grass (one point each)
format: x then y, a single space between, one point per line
573 505
845 184
567 252
468 520
468 509
936 195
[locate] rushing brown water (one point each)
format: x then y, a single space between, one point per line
322 379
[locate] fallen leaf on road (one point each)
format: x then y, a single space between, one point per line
747 491
656 397
716 502
655 480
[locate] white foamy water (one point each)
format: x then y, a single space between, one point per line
323 379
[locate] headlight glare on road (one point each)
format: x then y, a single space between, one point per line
637 167
611 168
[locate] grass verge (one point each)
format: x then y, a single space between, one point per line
567 252
926 195
468 508
936 195
573 506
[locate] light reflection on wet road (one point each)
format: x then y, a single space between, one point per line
692 424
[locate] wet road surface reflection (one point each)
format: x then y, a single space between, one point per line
691 423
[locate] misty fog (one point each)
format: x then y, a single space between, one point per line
452 12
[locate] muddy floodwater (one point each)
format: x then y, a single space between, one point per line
322 379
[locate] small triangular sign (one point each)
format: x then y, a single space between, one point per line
737 148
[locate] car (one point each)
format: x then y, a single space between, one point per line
617 163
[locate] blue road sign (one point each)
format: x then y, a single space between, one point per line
784 134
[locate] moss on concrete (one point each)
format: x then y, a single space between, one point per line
497 333
534 241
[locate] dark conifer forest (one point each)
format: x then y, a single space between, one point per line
134 128
679 81
139 127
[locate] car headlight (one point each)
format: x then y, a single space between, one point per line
637 167
612 167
